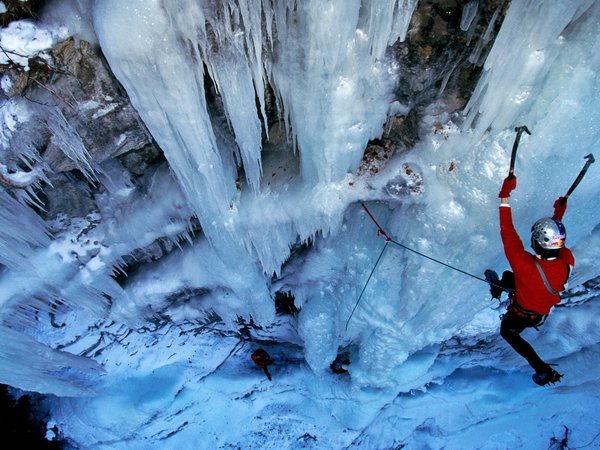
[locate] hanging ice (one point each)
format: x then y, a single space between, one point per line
533 55
326 65
46 370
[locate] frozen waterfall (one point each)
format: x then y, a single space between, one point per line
332 82
266 111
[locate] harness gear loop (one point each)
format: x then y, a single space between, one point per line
516 309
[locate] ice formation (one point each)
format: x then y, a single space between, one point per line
278 201
332 80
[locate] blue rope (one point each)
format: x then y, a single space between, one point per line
365 287
381 232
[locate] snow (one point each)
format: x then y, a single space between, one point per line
165 363
23 39
20 178
13 114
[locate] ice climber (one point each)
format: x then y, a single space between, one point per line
262 359
536 279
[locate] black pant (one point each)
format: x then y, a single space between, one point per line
511 328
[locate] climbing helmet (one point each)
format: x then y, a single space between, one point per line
549 233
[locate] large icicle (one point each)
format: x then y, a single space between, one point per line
32 366
532 54
332 81
164 78
229 37
326 64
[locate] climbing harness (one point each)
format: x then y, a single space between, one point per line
513 307
388 239
544 279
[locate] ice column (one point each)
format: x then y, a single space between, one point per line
519 60
325 62
332 78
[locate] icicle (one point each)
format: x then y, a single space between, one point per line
32 366
21 231
68 140
403 15
332 105
328 70
469 13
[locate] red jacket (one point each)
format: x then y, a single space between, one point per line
531 292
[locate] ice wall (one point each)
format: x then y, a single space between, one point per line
327 68
557 96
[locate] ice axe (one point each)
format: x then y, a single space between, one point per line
513 155
588 163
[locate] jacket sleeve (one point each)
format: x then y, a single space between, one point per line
513 247
567 256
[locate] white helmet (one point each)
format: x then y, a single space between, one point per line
549 234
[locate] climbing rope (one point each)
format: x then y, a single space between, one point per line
388 239
381 232
368 279
439 262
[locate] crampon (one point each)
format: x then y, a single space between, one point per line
548 376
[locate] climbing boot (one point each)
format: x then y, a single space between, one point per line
547 376
494 282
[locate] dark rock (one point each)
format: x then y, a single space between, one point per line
70 194
436 57
15 81
86 107
284 303
24 420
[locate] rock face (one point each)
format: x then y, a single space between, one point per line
91 104
444 51
81 117
441 59
439 65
